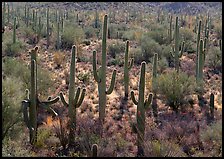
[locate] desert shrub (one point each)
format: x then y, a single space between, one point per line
187 36
212 139
12 95
214 58
149 47
128 35
90 32
30 35
13 49
218 30
159 35
71 35
16 148
58 58
162 64
86 42
155 148
42 135
175 87
13 67
136 53
116 48
117 61
84 76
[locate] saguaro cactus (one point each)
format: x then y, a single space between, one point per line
176 53
14 31
198 39
154 76
142 105
201 59
48 31
212 106
101 76
32 102
127 66
170 29
74 100
94 150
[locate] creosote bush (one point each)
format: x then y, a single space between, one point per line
175 87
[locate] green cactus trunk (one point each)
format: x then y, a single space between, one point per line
142 105
170 29
14 31
33 102
197 49
176 53
3 15
58 41
127 67
94 150
8 14
212 106
200 65
75 100
48 38
154 85
101 76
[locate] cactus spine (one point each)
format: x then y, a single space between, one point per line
142 105
154 76
101 76
127 66
75 100
33 102
176 53
94 150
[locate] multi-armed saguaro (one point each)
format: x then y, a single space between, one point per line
176 53
100 77
75 100
142 105
32 102
127 66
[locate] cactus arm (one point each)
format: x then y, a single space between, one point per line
94 150
63 99
148 101
28 93
133 98
51 101
77 95
171 53
110 90
96 76
81 98
48 108
182 49
130 63
25 105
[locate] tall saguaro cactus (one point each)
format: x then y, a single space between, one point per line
176 53
154 85
142 105
201 59
48 30
74 100
127 66
32 102
198 40
14 31
170 29
100 76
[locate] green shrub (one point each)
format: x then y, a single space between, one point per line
90 32
128 35
12 95
14 49
149 47
157 148
42 135
175 87
214 58
136 53
212 139
13 67
72 35
116 48
159 35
